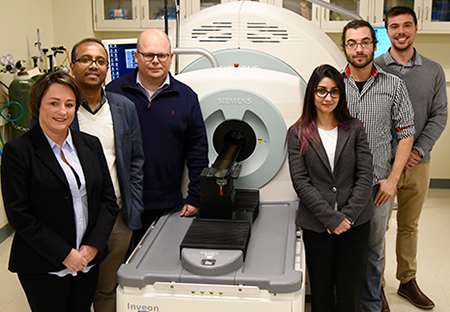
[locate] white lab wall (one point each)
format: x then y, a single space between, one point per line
437 47
64 22
19 21
72 21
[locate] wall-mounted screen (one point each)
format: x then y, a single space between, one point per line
121 57
383 41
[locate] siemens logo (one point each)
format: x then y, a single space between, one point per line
142 308
234 101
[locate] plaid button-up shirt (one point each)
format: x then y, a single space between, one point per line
382 105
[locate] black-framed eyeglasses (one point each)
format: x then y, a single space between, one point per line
149 57
86 61
352 45
322 93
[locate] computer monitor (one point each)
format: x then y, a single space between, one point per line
384 43
121 57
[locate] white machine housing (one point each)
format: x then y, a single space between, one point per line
249 95
260 27
265 54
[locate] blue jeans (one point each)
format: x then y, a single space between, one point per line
370 300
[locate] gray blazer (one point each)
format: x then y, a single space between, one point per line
318 188
129 157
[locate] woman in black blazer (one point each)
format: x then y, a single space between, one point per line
331 171
59 198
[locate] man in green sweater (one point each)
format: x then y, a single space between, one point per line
425 81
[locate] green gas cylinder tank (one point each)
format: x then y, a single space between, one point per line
19 91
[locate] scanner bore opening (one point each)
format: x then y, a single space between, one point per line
225 130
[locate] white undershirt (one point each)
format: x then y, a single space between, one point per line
78 192
329 141
100 125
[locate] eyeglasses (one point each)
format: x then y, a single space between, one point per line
322 93
149 57
85 61
352 45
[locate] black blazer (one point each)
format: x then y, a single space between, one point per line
39 206
318 188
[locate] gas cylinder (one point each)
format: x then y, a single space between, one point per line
19 91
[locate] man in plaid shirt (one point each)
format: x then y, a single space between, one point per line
381 101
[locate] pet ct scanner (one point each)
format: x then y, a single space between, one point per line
265 56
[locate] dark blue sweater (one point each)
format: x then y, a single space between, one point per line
173 132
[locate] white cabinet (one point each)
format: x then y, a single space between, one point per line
110 15
331 21
132 14
306 9
327 20
433 15
197 5
379 8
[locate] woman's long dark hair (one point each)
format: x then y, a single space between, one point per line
306 125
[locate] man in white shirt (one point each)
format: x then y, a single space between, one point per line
113 119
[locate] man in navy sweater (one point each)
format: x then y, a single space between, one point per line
173 130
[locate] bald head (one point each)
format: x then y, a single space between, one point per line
153 36
153 71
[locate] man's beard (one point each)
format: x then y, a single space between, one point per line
401 48
359 65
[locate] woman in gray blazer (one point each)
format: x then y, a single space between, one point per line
331 171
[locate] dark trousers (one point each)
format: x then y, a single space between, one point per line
50 293
336 266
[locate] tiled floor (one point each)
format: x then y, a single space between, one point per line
433 255
433 261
